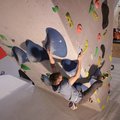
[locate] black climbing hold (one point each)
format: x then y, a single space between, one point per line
103 50
23 75
112 67
105 14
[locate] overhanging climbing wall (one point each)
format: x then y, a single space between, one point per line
65 26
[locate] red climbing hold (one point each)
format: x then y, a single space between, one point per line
2 53
97 4
99 36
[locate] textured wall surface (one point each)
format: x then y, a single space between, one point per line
80 23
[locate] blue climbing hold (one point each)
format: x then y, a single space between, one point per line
55 42
69 65
20 55
35 52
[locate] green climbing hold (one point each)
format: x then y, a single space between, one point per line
24 67
96 52
9 46
91 9
55 9
3 37
105 32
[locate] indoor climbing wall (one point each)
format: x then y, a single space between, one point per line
65 27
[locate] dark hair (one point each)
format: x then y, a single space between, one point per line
54 77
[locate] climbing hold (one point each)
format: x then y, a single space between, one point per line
69 19
13 40
3 37
69 65
99 61
98 100
2 53
36 53
90 100
105 75
97 3
56 43
112 67
95 15
96 52
91 8
105 14
103 107
103 50
92 11
79 28
99 36
105 33
110 58
83 73
95 92
19 55
55 8
25 76
9 46
85 46
24 67
86 73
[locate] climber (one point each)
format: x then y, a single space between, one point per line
66 87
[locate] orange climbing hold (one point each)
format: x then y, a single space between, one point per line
79 28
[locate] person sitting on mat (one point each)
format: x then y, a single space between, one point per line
68 87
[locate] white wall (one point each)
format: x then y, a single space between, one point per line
28 19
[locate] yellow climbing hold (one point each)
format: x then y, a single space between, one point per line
83 72
98 100
103 107
95 15
95 92
86 73
85 46
69 19
99 60
110 58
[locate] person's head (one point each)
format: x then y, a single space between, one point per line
55 78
